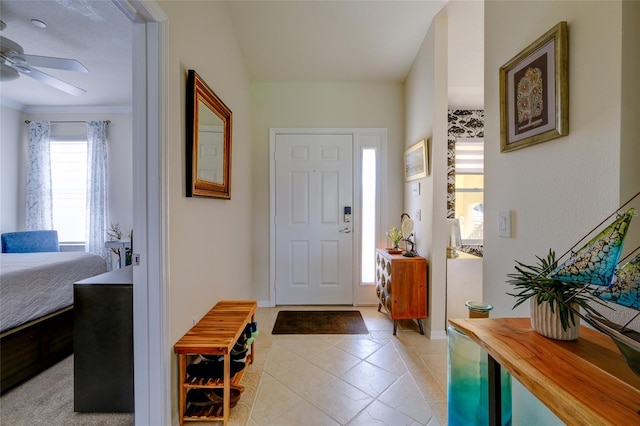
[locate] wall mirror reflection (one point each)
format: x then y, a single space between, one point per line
208 137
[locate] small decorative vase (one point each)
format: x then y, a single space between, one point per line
548 323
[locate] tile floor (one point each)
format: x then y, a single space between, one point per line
370 379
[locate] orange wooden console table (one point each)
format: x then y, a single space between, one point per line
584 382
215 334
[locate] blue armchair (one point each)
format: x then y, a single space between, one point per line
29 241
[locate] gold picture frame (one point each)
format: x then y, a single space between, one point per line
416 165
534 92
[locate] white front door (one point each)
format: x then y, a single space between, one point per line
313 242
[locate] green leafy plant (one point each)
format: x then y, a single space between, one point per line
534 281
395 235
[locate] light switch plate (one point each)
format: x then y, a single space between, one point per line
415 189
504 223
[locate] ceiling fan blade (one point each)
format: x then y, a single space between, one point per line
47 62
51 81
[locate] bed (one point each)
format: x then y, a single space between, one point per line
36 309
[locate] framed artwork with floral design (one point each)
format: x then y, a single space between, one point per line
534 92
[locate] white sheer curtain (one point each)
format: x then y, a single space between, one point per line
39 200
97 188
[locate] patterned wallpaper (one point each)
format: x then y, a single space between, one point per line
468 124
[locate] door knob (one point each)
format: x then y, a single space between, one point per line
346 230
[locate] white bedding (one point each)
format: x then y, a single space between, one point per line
35 284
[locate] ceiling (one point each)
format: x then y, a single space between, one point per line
96 33
281 41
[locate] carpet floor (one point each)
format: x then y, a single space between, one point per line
47 399
319 322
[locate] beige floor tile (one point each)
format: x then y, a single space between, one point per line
379 414
405 397
272 400
388 358
334 360
339 400
305 414
429 386
437 365
299 375
369 378
303 345
411 358
440 409
361 348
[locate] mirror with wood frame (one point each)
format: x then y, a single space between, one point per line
208 139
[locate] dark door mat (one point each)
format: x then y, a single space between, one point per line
319 322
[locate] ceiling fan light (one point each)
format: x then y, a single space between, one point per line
38 23
7 73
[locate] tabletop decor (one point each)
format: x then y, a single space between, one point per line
395 236
408 236
534 92
596 264
550 316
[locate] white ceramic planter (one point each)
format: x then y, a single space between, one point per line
548 323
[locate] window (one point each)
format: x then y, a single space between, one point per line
69 188
368 217
470 189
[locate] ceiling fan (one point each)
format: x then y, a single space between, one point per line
13 62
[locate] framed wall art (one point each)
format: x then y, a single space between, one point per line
415 161
208 137
534 92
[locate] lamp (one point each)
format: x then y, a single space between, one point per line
407 232
455 241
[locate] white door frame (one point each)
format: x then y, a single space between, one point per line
151 346
359 141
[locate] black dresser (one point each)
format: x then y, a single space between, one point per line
103 343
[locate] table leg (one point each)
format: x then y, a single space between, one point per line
227 390
182 375
253 353
495 393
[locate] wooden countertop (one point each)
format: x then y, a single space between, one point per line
586 381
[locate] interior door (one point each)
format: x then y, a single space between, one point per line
313 241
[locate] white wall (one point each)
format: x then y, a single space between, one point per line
209 239
319 105
560 189
557 190
630 139
426 117
11 150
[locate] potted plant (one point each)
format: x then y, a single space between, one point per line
395 236
554 304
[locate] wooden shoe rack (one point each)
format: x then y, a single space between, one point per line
215 334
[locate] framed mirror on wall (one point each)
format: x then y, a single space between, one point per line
208 141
